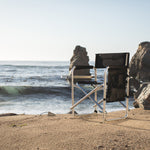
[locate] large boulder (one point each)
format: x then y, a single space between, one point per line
142 97
140 71
140 65
80 58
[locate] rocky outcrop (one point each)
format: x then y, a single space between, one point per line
140 71
140 65
80 58
142 97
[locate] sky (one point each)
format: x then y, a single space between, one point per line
49 30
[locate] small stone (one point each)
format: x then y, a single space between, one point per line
100 147
51 114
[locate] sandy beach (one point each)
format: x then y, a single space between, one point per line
80 132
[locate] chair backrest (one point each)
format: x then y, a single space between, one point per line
117 74
104 60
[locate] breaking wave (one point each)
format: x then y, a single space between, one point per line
25 90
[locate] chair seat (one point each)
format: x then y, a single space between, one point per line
83 77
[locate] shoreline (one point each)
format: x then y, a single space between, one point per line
91 110
65 131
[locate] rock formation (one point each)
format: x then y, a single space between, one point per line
140 64
142 97
80 58
140 71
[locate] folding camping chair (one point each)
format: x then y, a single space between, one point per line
116 81
77 80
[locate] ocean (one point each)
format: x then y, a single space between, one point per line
37 87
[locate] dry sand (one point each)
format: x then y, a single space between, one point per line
82 132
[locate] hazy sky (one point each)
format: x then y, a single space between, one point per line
50 29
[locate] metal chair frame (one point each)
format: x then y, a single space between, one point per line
87 95
97 88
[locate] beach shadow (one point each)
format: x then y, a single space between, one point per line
119 123
95 118
130 127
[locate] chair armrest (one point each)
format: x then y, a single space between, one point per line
83 67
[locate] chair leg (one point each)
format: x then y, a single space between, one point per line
95 91
72 89
104 110
104 94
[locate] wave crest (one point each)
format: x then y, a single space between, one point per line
25 90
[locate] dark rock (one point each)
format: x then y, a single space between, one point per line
51 114
134 85
140 64
80 58
142 97
140 71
